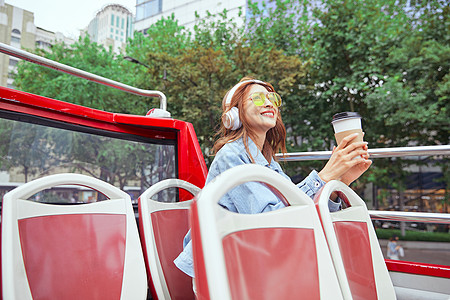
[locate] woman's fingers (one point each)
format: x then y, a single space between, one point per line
347 140
355 162
357 153
354 146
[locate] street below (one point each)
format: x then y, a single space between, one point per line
424 252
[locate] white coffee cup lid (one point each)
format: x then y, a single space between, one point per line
345 115
346 121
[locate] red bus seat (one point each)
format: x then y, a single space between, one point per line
354 246
163 226
274 255
83 251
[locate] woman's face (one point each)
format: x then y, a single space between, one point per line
260 118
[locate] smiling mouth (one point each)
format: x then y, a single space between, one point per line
268 114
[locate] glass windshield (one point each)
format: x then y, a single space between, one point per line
131 163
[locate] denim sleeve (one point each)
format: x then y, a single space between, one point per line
312 184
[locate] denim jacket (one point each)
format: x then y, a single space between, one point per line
250 197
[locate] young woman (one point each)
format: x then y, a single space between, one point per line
252 132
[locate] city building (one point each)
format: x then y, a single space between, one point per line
149 12
17 29
45 38
112 25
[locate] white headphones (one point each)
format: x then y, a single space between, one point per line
230 119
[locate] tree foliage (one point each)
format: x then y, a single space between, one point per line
87 56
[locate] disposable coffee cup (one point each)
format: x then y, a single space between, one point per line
346 123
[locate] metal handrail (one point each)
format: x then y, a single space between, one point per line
9 50
401 216
374 153
407 216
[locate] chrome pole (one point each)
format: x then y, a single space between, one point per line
374 153
407 216
9 50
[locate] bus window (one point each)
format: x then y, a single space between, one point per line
29 150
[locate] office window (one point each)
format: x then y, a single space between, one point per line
112 30
123 20
112 20
117 21
16 31
43 44
144 31
148 9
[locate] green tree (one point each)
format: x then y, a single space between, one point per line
6 128
87 56
29 150
359 51
422 64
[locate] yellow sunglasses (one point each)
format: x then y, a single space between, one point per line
259 98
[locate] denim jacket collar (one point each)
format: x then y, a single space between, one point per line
258 156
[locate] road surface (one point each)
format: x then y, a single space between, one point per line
424 252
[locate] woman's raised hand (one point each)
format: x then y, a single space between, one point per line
341 165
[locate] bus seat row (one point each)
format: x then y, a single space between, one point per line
301 251
93 250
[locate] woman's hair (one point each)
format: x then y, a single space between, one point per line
275 137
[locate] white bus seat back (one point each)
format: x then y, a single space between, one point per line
81 251
274 255
354 246
163 226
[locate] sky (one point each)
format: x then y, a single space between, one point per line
67 16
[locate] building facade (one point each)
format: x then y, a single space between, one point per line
112 25
17 29
45 39
149 12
